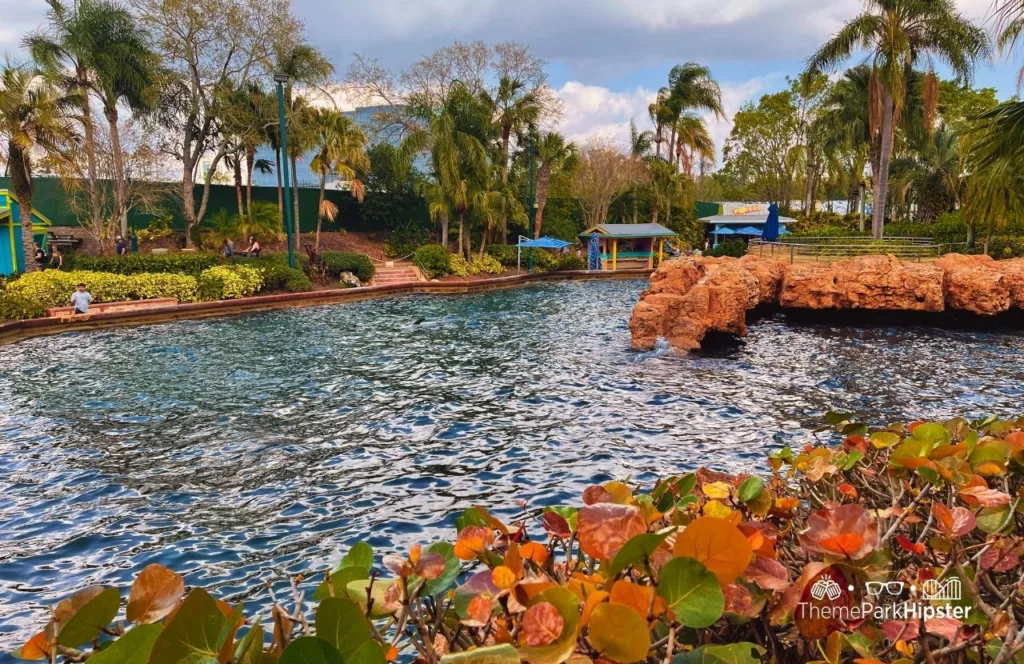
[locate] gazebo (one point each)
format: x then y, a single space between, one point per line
632 244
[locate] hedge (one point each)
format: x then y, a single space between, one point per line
276 273
230 282
53 288
360 265
433 259
182 263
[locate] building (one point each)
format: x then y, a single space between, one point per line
12 256
629 245
741 219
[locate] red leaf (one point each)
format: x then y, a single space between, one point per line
768 574
542 624
593 495
909 546
827 590
556 525
430 566
848 530
985 497
604 528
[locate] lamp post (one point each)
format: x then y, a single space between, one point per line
282 123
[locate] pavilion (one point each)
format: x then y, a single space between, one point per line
634 245
743 219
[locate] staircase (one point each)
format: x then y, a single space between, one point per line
400 273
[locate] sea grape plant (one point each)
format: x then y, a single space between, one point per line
843 552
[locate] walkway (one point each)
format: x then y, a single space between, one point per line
401 273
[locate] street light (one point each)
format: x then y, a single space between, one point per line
282 122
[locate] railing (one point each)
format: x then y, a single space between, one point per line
856 239
910 249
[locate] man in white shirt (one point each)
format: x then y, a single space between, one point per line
80 299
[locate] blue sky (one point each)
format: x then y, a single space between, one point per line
606 57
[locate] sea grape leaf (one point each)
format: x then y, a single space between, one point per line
636 549
692 591
499 654
134 647
568 607
541 625
452 568
618 633
196 633
341 622
154 594
310 650
718 545
750 488
386 595
250 649
734 653
604 528
370 652
360 555
88 621
340 579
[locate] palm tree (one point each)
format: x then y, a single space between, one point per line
554 155
930 176
515 109
693 142
639 152
899 34
661 115
34 117
340 149
691 87
247 114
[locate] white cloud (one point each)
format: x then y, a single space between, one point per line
594 111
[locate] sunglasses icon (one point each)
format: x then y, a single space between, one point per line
875 588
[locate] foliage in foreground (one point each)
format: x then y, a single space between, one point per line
701 567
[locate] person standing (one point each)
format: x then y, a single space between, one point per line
122 246
81 299
56 258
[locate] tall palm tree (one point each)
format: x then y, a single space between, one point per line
661 115
98 47
691 87
930 176
554 155
35 117
516 109
341 150
693 142
899 34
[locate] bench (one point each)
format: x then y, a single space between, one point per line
63 240
115 307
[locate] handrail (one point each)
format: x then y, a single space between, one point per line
854 239
811 251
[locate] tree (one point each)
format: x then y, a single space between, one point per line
604 173
691 87
340 150
930 177
693 142
761 148
515 110
554 156
639 151
899 34
35 118
208 48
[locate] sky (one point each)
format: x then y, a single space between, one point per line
606 57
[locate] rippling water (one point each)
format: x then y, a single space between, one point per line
238 448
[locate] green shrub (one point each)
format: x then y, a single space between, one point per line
301 260
567 262
486 265
181 263
53 288
458 266
277 275
433 259
19 307
732 247
344 261
231 281
505 253
1002 247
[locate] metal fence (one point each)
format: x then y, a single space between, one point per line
826 249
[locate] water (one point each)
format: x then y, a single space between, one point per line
234 449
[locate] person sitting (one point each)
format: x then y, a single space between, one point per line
122 246
229 248
40 256
254 247
80 300
56 258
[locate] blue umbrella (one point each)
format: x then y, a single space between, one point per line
594 253
748 230
771 226
724 231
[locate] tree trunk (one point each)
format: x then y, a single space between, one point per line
635 211
970 235
483 242
93 191
297 228
505 132
319 212
882 181
188 202
120 187
540 217
543 185
250 163
444 231
467 250
462 229
237 163
20 169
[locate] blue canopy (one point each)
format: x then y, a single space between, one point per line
748 230
771 226
724 231
545 243
783 231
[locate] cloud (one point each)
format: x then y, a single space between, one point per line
595 111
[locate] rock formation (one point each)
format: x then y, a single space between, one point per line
692 296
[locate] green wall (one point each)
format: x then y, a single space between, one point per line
50 199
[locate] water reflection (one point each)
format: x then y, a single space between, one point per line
238 448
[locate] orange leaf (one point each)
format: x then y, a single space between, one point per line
634 596
593 600
391 655
36 648
154 594
534 551
848 490
604 528
479 611
541 625
846 544
503 577
513 560
719 545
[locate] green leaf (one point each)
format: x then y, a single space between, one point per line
933 433
196 633
340 579
686 484
310 650
636 549
619 633
368 653
501 654
341 623
736 653
471 516
452 568
991 519
250 649
692 592
360 555
882 439
568 607
133 647
835 419
750 489
357 593
89 621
